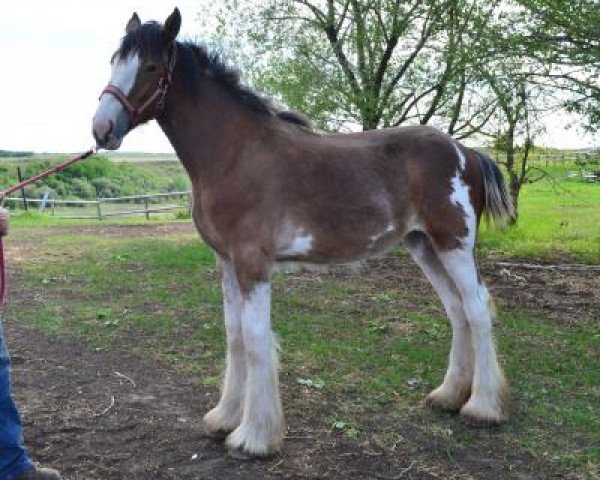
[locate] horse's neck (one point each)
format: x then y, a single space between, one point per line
207 131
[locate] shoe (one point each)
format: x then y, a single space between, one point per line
38 473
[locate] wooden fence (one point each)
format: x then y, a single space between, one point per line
108 207
573 156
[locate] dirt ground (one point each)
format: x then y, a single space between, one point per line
99 414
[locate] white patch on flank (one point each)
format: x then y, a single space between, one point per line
389 229
299 245
294 241
124 72
461 157
460 196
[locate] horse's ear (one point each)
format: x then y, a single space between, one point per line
171 27
133 23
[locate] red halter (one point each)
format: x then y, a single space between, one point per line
156 100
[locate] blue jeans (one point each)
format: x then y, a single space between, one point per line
14 459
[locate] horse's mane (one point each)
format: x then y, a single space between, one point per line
194 62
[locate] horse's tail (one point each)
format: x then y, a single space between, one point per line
497 201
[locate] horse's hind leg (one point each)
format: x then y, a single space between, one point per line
227 415
489 393
454 391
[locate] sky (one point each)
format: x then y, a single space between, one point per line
55 62
55 58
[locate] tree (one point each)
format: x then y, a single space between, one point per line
516 116
370 63
563 40
532 69
466 66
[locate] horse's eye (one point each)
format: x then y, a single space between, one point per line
151 68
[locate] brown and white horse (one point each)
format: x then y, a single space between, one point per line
268 189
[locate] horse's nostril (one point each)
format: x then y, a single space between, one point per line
110 129
102 131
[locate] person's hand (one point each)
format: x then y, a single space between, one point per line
3 221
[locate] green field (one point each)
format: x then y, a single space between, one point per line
559 216
375 347
559 221
368 349
98 176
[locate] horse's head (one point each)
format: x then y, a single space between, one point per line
141 73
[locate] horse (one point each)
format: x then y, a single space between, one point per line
267 189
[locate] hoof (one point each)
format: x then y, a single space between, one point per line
478 422
439 399
243 441
214 434
481 418
240 454
217 425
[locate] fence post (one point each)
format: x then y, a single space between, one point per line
20 175
146 207
99 209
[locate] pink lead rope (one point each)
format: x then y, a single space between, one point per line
3 231
4 212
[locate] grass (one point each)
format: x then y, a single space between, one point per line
369 347
367 352
556 221
96 177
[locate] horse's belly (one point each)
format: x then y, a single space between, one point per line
337 245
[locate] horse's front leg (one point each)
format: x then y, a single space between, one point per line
227 415
261 430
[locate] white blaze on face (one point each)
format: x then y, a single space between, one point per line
107 128
124 72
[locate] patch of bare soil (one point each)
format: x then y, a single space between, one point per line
110 231
130 231
98 414
569 296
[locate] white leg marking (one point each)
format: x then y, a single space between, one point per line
456 387
262 427
228 413
489 389
488 393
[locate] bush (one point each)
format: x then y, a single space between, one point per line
183 214
180 184
105 187
98 176
90 168
82 188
